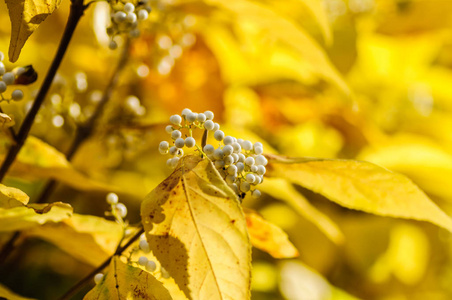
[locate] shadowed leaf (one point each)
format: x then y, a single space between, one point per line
196 228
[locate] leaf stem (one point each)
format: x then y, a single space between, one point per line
76 288
76 12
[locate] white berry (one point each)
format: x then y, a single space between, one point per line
129 7
209 114
119 17
185 112
176 134
164 145
247 145
209 125
144 246
98 278
218 135
256 193
179 143
2 86
175 119
191 117
190 142
9 78
261 160
121 209
227 150
142 14
249 161
143 260
112 198
151 266
208 149
201 118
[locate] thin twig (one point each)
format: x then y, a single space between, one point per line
83 133
85 130
79 285
76 12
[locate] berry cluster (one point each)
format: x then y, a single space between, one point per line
125 17
118 209
239 162
9 78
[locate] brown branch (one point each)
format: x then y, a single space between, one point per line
79 285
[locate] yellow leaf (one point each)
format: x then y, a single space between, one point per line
12 197
126 282
23 217
9 295
197 230
316 8
425 163
38 159
281 189
90 239
259 19
360 185
268 237
26 15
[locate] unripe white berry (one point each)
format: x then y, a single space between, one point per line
174 162
247 145
190 142
121 209
175 119
112 45
209 125
237 148
228 160
143 260
261 160
164 145
249 161
227 150
230 179
219 164
244 186
129 7
258 144
185 112
173 150
119 17
144 246
179 143
112 198
131 17
228 140
258 150
208 149
176 134
191 117
218 135
169 129
98 278
151 266
9 78
201 118
142 14
216 127
261 170
240 167
232 170
218 154
250 178
209 114
256 194
258 180
2 86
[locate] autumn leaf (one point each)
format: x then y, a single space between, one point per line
25 16
92 239
124 281
197 230
360 185
38 159
27 216
12 197
268 237
281 189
